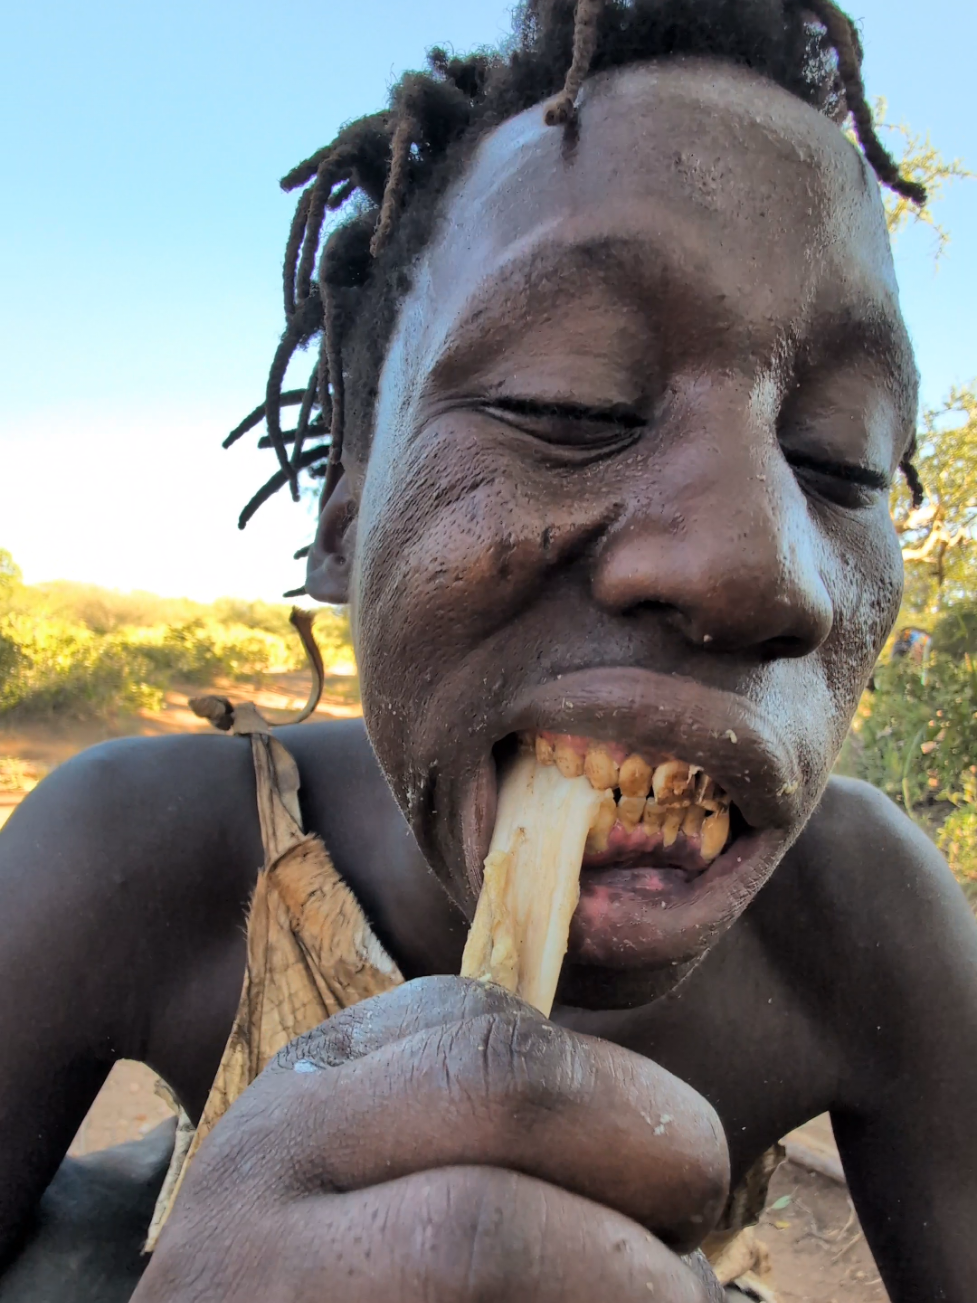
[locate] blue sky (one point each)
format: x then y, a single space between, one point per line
141 237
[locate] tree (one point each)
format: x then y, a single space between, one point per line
938 537
921 161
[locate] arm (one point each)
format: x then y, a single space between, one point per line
905 1130
123 877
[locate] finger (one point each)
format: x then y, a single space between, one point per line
426 1002
506 1089
436 1237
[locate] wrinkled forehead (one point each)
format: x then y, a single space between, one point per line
686 171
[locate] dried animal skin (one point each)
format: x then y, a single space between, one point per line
531 882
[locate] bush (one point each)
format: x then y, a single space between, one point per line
915 737
957 839
48 665
18 775
76 650
916 734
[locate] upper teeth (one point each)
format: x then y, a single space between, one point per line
673 797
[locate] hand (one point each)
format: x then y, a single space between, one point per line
443 1143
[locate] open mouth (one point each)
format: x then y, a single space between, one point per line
580 824
682 799
662 820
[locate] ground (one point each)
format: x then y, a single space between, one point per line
817 1250
817 1253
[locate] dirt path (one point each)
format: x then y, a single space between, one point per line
818 1253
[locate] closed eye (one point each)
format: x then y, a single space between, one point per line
845 483
569 424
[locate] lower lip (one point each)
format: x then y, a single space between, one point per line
651 915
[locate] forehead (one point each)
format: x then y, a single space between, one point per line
689 185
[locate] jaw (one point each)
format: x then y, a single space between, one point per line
651 901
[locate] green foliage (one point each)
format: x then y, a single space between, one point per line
10 576
957 839
920 161
915 736
77 650
938 538
955 632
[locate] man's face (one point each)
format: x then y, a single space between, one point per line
628 485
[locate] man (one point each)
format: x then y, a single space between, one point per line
616 386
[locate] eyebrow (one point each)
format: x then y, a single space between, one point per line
877 334
826 338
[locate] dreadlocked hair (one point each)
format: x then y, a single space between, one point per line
388 171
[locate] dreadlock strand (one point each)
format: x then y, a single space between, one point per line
322 383
287 399
562 109
843 36
339 197
331 348
307 169
302 428
320 193
403 138
913 482
276 374
315 426
294 243
278 481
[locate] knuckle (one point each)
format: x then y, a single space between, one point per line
711 1171
327 1046
522 1064
253 1148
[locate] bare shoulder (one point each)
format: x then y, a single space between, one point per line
124 883
145 851
869 924
121 807
863 854
124 879
130 805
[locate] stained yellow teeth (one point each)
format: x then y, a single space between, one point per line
670 798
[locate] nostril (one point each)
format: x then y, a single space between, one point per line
784 647
638 609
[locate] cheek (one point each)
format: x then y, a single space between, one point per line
447 553
437 563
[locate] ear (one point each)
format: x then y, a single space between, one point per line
327 570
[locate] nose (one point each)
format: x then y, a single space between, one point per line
716 534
